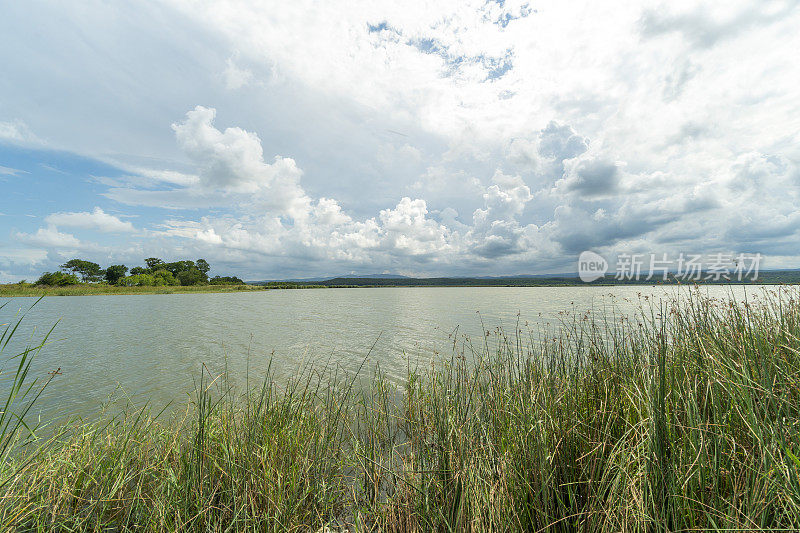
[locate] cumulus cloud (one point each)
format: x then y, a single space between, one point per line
560 142
406 235
496 231
232 162
590 178
505 198
576 228
328 212
522 153
594 204
429 137
50 237
407 229
97 219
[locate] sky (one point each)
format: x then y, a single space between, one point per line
305 139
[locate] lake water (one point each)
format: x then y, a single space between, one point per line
152 346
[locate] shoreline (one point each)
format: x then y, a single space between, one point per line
14 290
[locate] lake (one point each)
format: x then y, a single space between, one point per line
152 346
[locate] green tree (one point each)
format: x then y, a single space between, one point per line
154 263
140 280
114 273
179 266
59 279
191 277
135 271
203 266
164 277
225 280
89 271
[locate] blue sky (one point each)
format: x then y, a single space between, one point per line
447 138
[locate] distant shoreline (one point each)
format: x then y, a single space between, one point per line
89 289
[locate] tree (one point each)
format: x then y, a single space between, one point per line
179 266
58 279
164 277
135 271
203 266
89 271
115 272
72 265
191 277
140 280
154 263
225 280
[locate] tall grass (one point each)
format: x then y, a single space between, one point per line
22 393
681 417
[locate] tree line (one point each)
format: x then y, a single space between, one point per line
155 273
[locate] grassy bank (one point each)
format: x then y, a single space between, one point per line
87 289
686 417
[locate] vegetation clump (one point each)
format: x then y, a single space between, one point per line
225 280
57 279
683 417
156 273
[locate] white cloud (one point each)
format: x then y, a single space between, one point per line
235 77
555 126
17 132
50 237
97 219
232 162
505 198
522 153
21 256
167 176
328 212
407 230
595 204
8 171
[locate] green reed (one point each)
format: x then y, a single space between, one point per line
681 416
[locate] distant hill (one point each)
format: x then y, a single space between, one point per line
533 280
326 278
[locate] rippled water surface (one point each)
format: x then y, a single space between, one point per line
152 346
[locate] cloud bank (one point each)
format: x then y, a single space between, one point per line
429 139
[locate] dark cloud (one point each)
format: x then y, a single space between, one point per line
591 178
748 231
577 230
